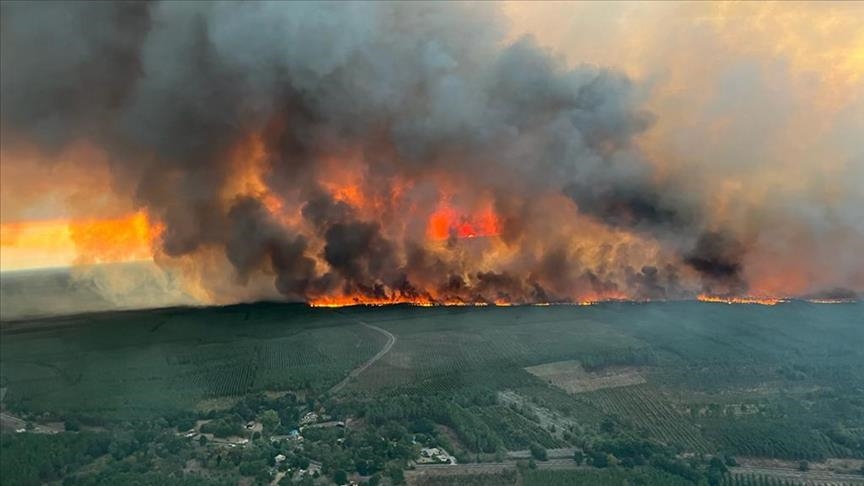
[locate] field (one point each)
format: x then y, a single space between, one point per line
127 365
783 382
571 377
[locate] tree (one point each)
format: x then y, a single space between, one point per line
340 477
803 466
396 475
600 459
608 425
202 440
538 452
579 456
250 468
717 464
270 420
716 470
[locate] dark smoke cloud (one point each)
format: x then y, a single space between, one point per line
323 211
717 257
169 88
256 241
359 252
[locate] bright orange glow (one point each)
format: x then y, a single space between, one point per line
446 221
64 243
349 300
249 160
350 194
129 238
433 301
741 300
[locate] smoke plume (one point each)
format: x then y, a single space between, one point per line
371 152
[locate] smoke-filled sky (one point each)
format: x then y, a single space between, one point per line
449 152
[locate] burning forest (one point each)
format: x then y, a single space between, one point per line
379 153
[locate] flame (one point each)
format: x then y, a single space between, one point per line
447 221
250 166
360 300
433 301
72 242
128 238
741 300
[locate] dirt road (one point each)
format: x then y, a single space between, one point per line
391 340
11 422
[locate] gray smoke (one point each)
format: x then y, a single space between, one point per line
419 89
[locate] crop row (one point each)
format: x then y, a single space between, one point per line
651 415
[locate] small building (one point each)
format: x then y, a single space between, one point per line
435 455
254 427
309 418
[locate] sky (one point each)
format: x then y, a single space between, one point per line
755 112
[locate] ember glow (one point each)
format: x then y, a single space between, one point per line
76 242
449 162
447 222
741 300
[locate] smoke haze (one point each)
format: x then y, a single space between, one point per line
431 153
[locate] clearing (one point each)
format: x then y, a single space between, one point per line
571 377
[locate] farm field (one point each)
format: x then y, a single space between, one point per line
129 365
619 383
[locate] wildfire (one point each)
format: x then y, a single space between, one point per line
65 242
741 300
358 300
446 221
431 301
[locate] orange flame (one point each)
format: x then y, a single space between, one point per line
66 242
741 300
446 221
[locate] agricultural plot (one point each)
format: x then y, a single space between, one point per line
608 477
651 368
743 380
437 343
493 476
549 477
788 479
516 431
651 415
173 361
571 377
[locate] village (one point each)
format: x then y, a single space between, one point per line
289 461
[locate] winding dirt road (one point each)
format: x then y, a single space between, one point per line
391 340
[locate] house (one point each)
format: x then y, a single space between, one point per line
254 427
309 418
279 459
435 455
314 469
